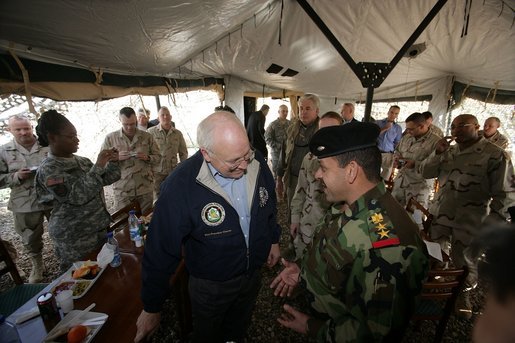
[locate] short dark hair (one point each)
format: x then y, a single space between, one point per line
394 106
427 114
127 111
264 108
332 115
369 159
52 122
416 117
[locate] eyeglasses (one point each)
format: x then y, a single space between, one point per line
232 166
460 126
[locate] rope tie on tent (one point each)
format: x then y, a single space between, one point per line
142 104
26 82
493 91
466 88
466 17
281 21
98 76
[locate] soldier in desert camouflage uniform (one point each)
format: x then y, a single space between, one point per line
414 147
366 263
475 189
295 146
432 127
74 186
491 132
308 205
275 135
16 160
171 143
138 154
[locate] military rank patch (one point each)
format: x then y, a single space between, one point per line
263 196
384 235
213 214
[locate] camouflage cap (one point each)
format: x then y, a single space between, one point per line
335 140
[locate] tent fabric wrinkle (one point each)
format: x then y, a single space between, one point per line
138 44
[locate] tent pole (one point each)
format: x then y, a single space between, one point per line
368 104
158 102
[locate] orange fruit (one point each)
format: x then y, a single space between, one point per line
77 334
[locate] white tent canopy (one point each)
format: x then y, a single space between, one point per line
472 43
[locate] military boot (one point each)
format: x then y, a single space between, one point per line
36 274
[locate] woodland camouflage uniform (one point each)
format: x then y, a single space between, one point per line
410 182
74 186
275 135
308 205
364 268
137 181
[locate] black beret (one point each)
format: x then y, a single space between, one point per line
335 140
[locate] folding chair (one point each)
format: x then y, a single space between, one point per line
120 216
438 296
15 297
427 218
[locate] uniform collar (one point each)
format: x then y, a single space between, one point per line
366 201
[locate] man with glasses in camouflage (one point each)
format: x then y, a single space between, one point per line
475 189
219 208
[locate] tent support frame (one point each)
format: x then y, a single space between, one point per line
370 74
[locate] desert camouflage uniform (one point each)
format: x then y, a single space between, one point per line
27 212
497 138
474 189
79 219
137 181
410 182
364 268
293 150
275 135
170 145
436 130
308 205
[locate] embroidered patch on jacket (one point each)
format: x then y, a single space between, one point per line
213 214
263 196
385 236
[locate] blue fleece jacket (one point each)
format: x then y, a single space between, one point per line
193 212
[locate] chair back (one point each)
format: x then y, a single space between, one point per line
8 265
427 218
438 297
120 216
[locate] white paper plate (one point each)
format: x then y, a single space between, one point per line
86 283
88 316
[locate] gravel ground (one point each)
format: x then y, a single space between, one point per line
264 327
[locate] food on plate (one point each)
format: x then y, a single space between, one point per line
77 334
80 287
88 270
63 286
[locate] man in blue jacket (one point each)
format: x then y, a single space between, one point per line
219 207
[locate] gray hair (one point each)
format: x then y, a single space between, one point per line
314 98
206 128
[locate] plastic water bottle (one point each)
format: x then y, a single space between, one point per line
138 240
8 332
112 244
133 224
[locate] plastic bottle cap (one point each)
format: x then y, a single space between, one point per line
132 212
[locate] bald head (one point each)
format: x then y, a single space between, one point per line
219 130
